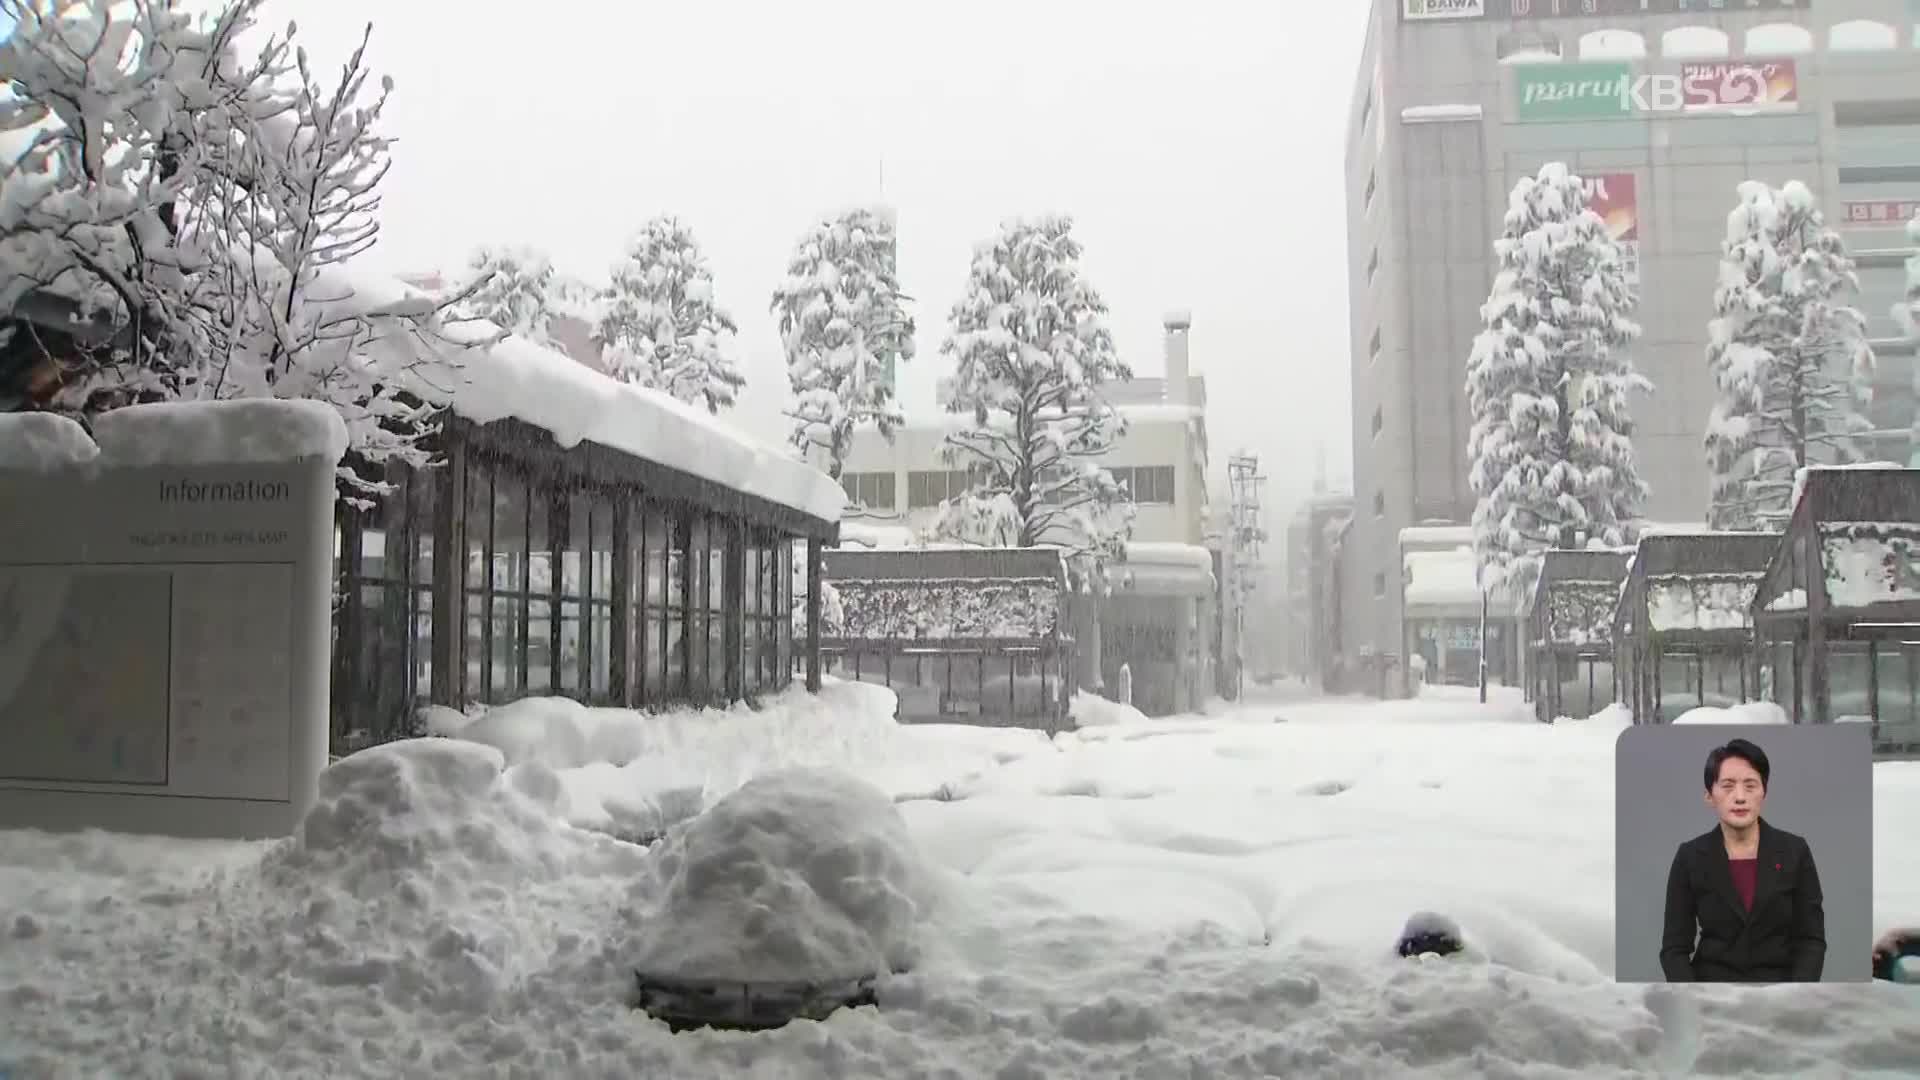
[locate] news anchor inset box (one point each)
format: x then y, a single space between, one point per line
164 626
1722 919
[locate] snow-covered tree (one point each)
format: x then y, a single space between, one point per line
1788 356
201 204
1549 381
843 323
1031 349
1908 313
514 288
661 328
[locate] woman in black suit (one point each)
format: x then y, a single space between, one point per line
1747 890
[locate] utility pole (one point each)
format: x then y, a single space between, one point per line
1248 530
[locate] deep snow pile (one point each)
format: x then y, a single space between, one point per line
635 774
802 874
1186 897
1752 712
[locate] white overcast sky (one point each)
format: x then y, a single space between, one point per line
1198 146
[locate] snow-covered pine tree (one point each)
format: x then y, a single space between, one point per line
513 287
201 204
1549 380
1787 355
661 328
1909 315
843 324
1031 349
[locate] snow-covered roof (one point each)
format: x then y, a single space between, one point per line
932 609
1159 553
518 379
1439 114
1701 603
1800 475
1441 579
1870 562
1451 536
248 431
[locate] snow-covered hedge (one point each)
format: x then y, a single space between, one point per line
1871 562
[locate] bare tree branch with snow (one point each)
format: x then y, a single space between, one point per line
206 206
843 324
1031 349
661 328
1789 359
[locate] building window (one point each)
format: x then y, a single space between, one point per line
1147 484
1379 504
928 489
873 490
1373 264
1378 421
1373 181
1366 111
1373 347
1380 584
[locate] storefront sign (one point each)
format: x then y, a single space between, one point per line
1615 198
1880 211
1740 84
1520 10
163 646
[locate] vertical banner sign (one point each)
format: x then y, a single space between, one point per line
1614 197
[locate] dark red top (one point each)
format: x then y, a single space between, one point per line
1745 872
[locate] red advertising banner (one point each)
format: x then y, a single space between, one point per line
1879 211
1739 84
1613 196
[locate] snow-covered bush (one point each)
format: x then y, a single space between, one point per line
1789 359
928 608
843 325
661 328
201 205
1549 380
1031 350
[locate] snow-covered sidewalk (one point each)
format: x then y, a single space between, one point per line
1193 897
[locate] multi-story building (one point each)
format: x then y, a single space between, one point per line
1162 617
1664 107
1315 634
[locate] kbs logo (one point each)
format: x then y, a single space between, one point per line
1707 87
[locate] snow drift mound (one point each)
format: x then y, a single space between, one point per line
800 874
394 816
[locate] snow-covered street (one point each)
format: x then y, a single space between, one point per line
1209 896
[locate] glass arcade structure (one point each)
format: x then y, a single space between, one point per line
519 568
1838 610
1683 634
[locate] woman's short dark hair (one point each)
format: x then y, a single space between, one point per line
1737 748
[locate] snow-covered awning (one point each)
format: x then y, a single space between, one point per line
513 378
1441 579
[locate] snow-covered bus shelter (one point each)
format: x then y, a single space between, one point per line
960 634
1570 632
1156 620
1838 610
1441 598
579 537
1683 635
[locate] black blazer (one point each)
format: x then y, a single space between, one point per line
1784 938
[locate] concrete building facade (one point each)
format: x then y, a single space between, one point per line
1656 103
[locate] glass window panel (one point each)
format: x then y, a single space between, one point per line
540 670
1849 669
422 644
1678 688
572 646
1896 697
479 522
674 658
